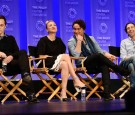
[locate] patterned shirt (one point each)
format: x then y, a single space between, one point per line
127 48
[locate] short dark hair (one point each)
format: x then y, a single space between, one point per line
3 17
127 25
80 22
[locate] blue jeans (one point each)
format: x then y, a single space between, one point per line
130 65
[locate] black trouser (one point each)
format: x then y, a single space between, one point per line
99 63
20 65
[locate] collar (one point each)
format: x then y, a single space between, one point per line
1 37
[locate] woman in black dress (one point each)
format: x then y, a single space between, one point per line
54 48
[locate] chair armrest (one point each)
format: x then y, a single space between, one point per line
33 64
77 58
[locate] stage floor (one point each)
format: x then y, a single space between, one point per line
93 106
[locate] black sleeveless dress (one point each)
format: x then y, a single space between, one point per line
51 48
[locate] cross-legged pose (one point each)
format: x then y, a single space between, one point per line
54 47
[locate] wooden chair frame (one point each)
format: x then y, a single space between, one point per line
10 92
91 80
126 83
44 70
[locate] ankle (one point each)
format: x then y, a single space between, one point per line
63 90
63 94
75 79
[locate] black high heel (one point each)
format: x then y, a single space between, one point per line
64 99
78 88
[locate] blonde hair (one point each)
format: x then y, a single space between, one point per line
47 21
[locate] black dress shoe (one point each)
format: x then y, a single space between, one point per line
32 98
124 72
108 98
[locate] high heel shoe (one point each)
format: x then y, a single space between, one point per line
123 71
64 99
78 88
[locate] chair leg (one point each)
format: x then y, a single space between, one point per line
75 95
88 85
120 89
57 83
124 88
46 84
98 84
11 92
43 89
124 93
5 88
54 93
95 88
12 84
6 84
71 95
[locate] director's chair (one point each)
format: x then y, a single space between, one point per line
126 83
38 70
10 87
91 83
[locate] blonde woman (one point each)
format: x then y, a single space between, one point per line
54 47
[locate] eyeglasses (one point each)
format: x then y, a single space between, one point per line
2 25
76 28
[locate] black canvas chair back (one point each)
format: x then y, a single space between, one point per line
33 51
114 50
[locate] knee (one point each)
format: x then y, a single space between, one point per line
64 65
66 56
105 68
131 67
100 55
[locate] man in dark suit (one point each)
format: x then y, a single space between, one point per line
14 61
